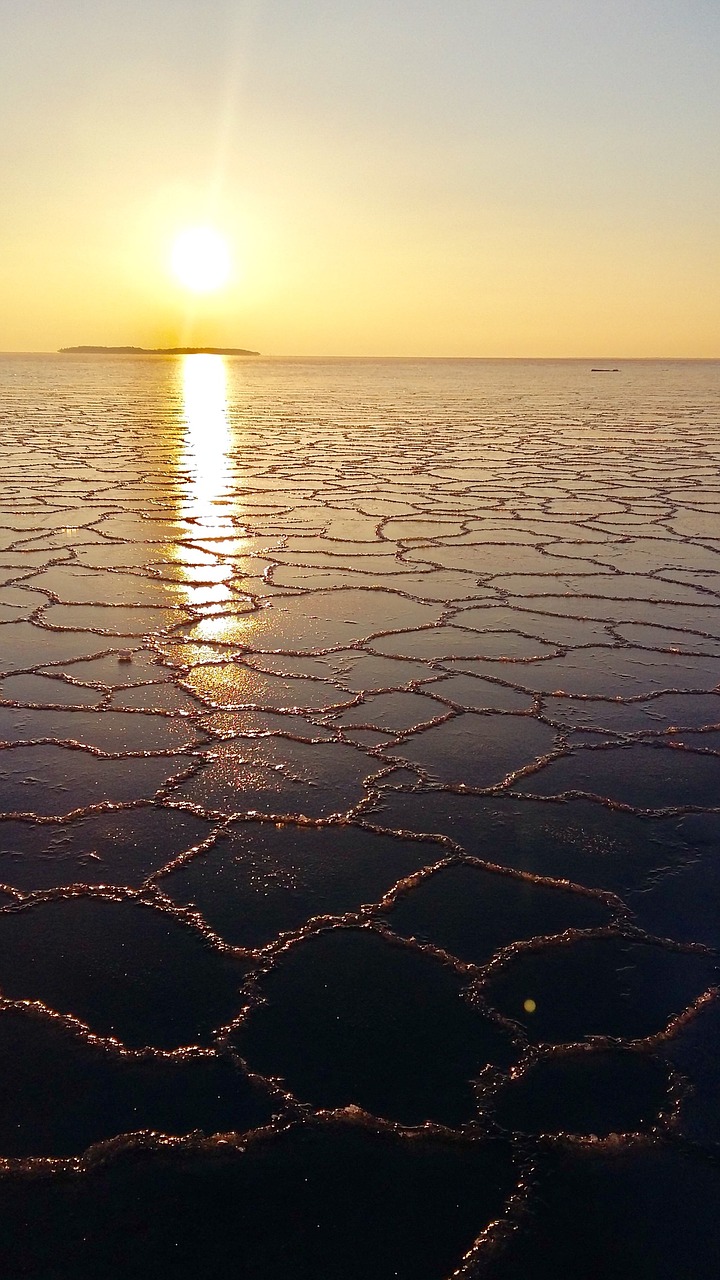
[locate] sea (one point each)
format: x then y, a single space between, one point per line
359 818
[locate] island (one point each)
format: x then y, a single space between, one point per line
157 351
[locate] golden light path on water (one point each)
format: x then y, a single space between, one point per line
207 440
210 506
209 500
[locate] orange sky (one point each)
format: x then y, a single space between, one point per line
531 177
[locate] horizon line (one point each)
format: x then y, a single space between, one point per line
350 356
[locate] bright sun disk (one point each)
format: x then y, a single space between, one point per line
201 259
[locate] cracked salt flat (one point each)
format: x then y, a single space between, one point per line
346 708
347 1017
88 1089
586 1092
126 971
260 879
307 1201
122 847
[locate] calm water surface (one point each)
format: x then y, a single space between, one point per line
359 791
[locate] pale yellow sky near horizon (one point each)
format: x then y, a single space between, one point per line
526 178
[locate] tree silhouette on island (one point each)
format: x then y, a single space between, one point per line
157 351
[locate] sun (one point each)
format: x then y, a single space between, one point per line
200 259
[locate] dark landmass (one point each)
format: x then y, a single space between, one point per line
158 351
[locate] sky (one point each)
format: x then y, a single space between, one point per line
398 177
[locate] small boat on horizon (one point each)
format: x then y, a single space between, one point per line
604 370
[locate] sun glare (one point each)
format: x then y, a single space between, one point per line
201 259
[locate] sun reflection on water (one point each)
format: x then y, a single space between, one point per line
206 454
207 488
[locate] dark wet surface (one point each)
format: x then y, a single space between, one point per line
607 1091
61 1094
359 819
127 971
598 1215
119 848
342 1203
472 913
349 1018
261 878
606 986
